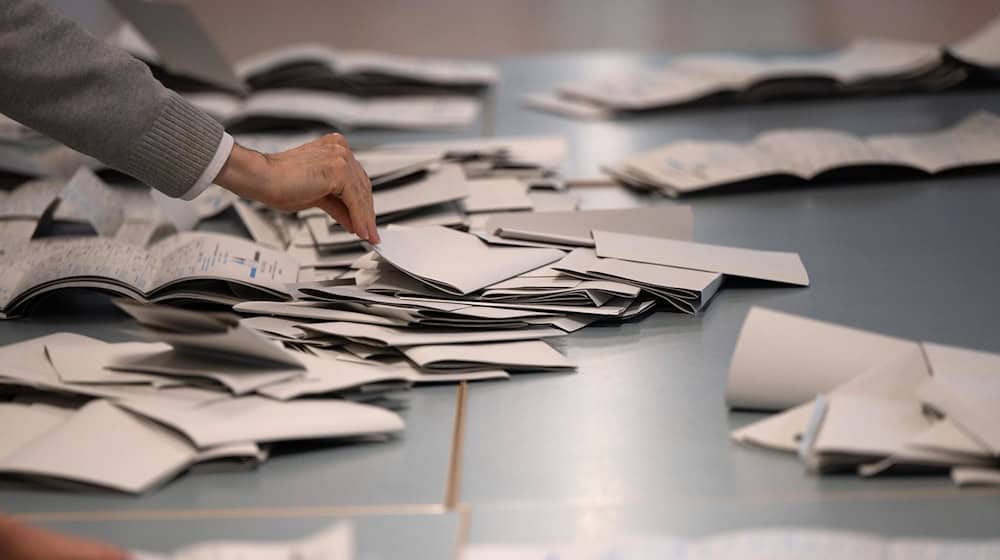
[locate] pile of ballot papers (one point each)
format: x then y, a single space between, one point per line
205 392
857 401
865 66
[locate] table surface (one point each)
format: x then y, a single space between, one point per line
636 441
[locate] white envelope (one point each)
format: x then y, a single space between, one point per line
527 355
733 261
262 420
376 335
456 262
783 360
575 228
99 445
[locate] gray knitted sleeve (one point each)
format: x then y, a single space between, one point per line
99 100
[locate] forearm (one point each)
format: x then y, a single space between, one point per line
99 100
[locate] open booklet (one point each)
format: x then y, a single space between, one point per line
797 155
772 543
315 66
193 266
168 37
283 108
865 66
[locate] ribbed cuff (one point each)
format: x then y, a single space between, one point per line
214 167
177 149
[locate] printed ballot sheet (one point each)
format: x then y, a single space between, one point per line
774 266
454 262
141 273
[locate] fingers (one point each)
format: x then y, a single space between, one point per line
336 209
351 185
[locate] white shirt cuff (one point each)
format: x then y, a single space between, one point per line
212 171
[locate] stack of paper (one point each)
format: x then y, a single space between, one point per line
185 58
800 155
865 66
209 391
861 401
460 184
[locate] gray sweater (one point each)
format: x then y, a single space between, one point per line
97 99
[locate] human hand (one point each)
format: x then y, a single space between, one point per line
21 542
322 174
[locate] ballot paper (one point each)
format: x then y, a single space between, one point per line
265 420
894 375
685 289
79 450
261 110
30 200
327 377
174 268
15 161
454 262
376 335
494 195
216 336
982 48
542 151
447 184
863 66
783 360
773 543
171 35
748 263
524 355
33 420
333 543
345 62
966 388
87 198
213 201
261 229
576 228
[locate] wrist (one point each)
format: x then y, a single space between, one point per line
246 174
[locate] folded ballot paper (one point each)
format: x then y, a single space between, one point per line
210 393
576 228
454 262
773 266
333 543
856 400
774 543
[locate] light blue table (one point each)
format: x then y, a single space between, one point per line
636 440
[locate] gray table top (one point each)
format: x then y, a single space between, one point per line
636 440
